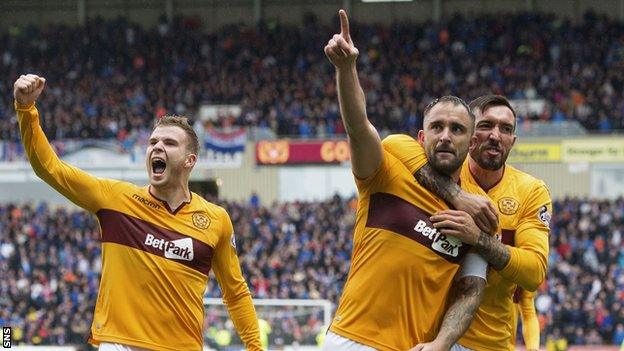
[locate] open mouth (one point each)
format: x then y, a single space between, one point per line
158 165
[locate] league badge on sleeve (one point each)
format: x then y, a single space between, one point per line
233 241
544 216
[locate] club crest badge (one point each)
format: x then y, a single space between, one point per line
508 205
201 220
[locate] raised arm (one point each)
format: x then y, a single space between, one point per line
409 151
83 189
364 141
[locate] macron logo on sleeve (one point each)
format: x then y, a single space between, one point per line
181 249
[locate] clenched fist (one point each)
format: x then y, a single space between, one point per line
27 88
340 49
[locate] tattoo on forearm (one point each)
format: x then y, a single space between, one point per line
439 184
494 252
459 315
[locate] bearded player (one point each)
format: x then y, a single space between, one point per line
519 257
402 269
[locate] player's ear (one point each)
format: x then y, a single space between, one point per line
473 143
190 161
421 137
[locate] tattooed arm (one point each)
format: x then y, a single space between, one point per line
439 184
459 315
467 293
493 251
479 207
412 155
460 225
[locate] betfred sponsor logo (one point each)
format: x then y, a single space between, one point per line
447 245
181 249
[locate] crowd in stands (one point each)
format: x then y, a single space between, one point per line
583 296
50 266
111 78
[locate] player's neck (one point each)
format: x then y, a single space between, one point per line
174 196
486 178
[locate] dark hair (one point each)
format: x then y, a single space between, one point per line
452 99
181 122
484 102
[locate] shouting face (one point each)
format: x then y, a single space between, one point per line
168 156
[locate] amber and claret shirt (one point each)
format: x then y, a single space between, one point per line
524 208
155 260
402 268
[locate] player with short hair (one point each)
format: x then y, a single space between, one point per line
402 268
159 242
519 256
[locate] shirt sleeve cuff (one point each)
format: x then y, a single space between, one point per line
21 107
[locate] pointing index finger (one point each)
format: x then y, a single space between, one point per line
344 25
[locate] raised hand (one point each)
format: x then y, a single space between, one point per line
27 88
340 49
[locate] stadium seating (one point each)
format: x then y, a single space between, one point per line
50 260
111 78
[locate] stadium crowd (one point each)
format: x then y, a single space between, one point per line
50 265
110 78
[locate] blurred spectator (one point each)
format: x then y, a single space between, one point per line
585 288
111 78
50 261
254 200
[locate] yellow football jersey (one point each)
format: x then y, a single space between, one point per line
401 267
525 208
155 260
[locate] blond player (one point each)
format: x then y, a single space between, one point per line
402 268
519 257
158 241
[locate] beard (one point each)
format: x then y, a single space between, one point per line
446 166
487 162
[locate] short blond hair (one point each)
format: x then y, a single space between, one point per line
182 123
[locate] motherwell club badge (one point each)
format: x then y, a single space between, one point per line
508 205
201 220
